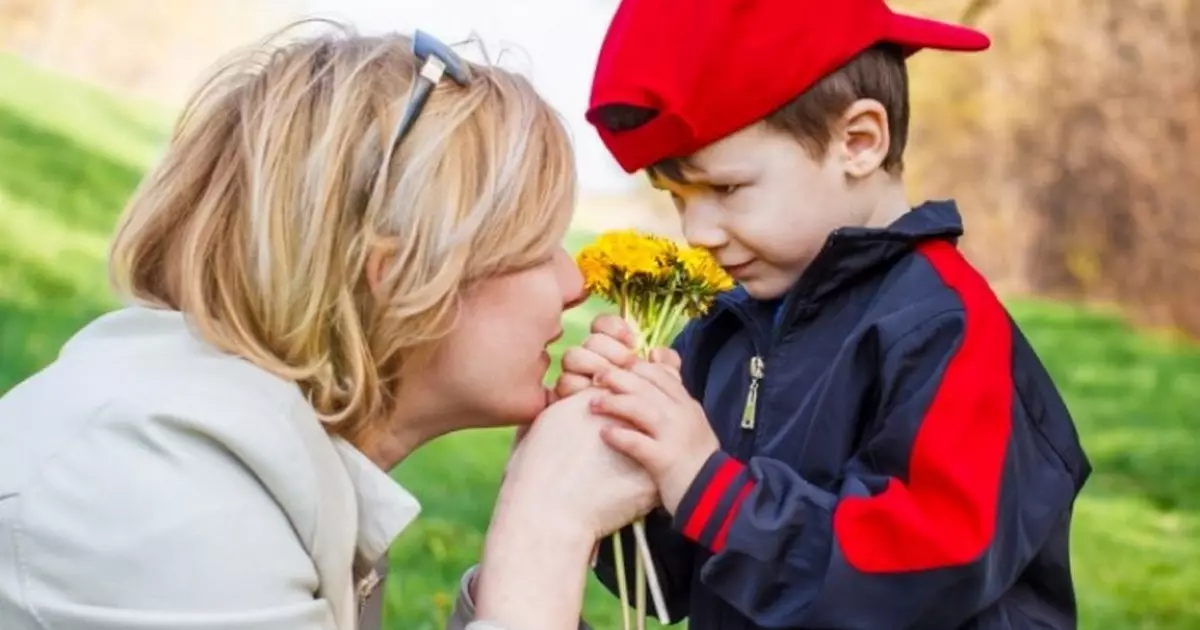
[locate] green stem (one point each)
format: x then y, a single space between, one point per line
656 324
666 322
649 316
640 580
678 312
622 586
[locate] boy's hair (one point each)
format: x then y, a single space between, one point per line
878 73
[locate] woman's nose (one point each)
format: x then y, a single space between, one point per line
572 285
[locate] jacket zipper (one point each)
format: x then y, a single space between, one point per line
757 367
750 410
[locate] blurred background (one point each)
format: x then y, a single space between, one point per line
1071 147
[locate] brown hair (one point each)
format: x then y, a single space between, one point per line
878 73
278 182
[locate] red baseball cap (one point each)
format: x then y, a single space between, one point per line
709 68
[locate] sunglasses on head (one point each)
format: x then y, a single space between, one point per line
437 61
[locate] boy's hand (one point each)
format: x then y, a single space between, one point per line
611 343
670 437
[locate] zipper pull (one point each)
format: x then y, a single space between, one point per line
757 370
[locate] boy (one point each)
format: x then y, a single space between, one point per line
861 437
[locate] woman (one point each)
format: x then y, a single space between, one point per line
325 271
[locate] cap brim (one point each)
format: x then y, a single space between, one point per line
914 33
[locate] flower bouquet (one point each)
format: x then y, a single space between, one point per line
657 285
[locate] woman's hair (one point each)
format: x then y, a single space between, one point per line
258 221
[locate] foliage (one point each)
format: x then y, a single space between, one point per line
1071 146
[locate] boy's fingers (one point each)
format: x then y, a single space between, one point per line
636 446
668 357
626 382
596 356
610 350
636 410
613 326
664 378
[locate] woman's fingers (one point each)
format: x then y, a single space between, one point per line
570 384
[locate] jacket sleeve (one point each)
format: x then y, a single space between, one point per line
673 554
462 617
947 498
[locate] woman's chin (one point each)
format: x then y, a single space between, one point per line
523 408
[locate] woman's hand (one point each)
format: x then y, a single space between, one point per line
564 490
562 469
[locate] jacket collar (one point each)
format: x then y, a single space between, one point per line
385 508
851 252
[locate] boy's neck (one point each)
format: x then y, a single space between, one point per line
890 203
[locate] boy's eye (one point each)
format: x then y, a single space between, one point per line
725 189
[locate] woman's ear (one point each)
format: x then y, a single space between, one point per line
865 137
378 258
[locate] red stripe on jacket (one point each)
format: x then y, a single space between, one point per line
712 495
945 514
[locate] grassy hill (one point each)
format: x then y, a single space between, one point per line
70 155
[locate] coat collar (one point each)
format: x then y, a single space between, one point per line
385 508
850 252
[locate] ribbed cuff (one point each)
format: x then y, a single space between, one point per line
711 503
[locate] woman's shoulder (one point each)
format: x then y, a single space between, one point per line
135 397
142 449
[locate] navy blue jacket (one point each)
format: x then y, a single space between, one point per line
893 454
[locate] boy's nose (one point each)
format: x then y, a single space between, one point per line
704 232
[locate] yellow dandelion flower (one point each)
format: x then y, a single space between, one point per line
702 269
596 271
631 254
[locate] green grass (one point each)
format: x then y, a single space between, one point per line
71 155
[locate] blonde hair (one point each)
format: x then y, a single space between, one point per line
259 219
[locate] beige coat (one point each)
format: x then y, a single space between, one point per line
149 482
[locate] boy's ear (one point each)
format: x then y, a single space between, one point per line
865 137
